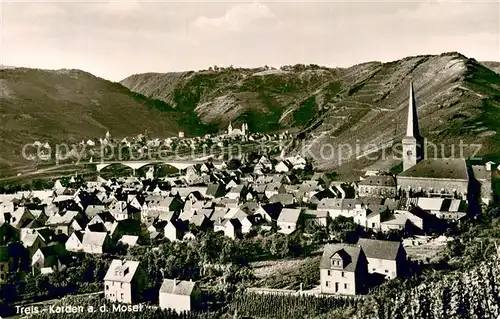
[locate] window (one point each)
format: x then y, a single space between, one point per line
386 271
329 273
121 296
373 224
327 283
2 267
346 286
336 286
343 274
107 287
121 285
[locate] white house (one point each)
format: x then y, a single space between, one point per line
124 281
178 295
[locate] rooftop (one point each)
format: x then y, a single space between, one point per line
438 169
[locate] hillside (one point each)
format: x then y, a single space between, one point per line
70 105
266 99
458 99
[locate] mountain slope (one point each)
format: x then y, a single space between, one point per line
70 105
266 99
458 99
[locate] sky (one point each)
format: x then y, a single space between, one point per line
114 39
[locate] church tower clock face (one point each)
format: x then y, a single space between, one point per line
409 153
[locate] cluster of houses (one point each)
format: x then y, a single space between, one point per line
141 144
344 270
265 194
258 194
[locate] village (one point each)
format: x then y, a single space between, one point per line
43 232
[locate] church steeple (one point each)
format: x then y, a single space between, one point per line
413 143
412 129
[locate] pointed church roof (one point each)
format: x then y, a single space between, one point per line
412 128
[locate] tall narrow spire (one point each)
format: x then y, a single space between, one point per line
412 129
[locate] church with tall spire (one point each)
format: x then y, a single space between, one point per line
413 143
445 177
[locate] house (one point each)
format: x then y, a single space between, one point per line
50 258
249 222
75 241
370 216
265 163
129 240
9 234
215 190
174 230
165 204
283 166
270 212
274 188
95 242
201 221
237 192
284 199
64 223
316 217
444 208
125 280
288 220
121 211
380 185
93 210
325 193
125 227
179 295
338 207
384 257
20 217
31 227
232 228
343 269
104 218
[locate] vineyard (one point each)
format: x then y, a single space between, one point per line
257 305
471 294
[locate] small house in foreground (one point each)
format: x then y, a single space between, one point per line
179 295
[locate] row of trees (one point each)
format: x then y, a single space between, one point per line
84 275
203 257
